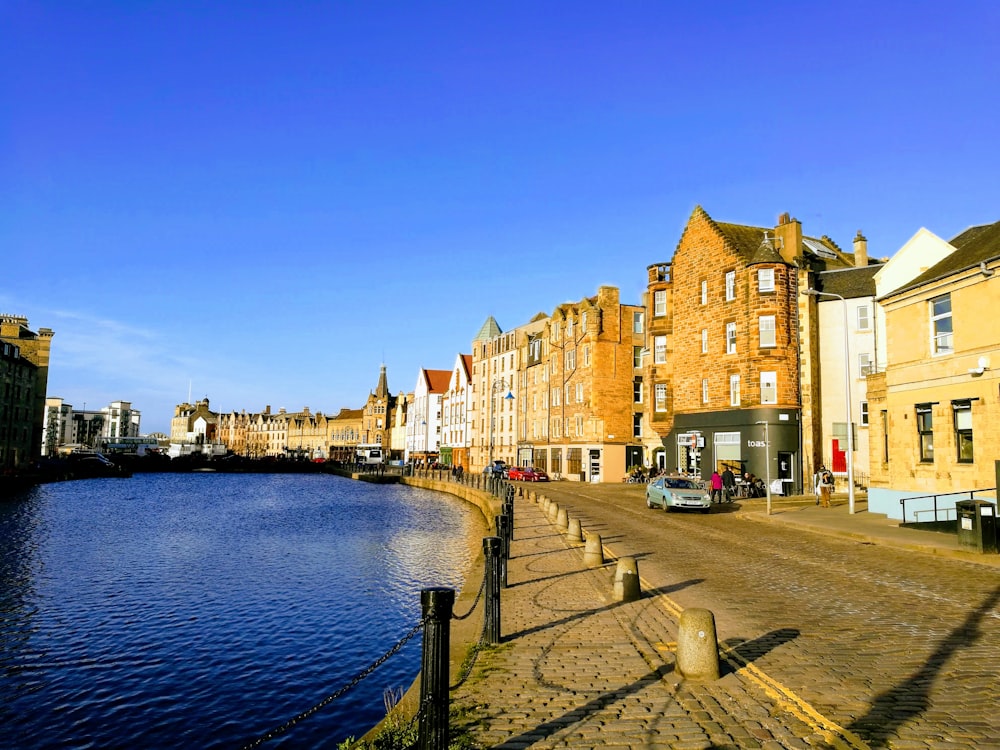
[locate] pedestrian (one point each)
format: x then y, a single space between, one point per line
825 487
728 484
716 487
818 481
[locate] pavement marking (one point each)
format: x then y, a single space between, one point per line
781 694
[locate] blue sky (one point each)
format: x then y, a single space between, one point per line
263 202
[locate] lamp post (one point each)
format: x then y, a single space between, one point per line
847 390
499 384
767 466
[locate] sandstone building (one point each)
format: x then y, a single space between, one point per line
24 375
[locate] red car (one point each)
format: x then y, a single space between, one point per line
516 472
534 475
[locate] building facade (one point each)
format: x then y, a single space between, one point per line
24 375
932 407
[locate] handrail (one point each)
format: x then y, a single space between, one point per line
971 493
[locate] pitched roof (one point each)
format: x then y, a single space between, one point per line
489 331
849 283
972 247
437 380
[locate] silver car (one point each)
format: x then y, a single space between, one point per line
677 492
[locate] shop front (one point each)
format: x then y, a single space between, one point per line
761 442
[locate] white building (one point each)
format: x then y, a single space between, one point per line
455 414
423 419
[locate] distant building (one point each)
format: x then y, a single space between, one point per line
24 375
423 426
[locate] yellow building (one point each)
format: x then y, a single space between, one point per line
24 375
932 410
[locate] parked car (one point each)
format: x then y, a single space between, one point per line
677 492
535 475
498 467
516 472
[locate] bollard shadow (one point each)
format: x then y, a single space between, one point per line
595 705
672 589
911 697
577 616
745 652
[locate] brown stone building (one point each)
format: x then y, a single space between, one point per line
722 355
24 375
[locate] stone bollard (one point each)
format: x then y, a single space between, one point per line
575 531
562 519
627 580
593 551
553 511
697 645
545 504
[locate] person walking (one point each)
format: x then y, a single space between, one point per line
728 485
825 487
817 481
716 487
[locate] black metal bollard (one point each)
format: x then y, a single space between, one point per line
492 548
502 532
508 509
437 604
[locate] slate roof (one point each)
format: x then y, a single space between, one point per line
489 331
972 247
849 283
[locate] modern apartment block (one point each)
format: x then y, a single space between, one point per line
24 375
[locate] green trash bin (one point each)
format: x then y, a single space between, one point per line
977 525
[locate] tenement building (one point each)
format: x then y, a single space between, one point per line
24 375
571 405
723 336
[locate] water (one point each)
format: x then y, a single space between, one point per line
202 610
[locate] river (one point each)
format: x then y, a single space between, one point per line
202 610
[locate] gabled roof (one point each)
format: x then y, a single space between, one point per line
489 331
972 247
437 380
467 364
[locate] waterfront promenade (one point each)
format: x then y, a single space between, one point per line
577 669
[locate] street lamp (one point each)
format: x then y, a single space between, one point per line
767 466
847 390
499 384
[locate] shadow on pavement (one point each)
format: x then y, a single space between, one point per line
907 700
749 651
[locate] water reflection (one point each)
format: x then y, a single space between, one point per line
202 610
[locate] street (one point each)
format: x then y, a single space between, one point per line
897 647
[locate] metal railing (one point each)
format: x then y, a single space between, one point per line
956 495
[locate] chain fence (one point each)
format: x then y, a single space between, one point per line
333 696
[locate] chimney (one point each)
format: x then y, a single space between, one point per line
860 250
789 234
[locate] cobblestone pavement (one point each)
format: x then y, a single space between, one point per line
826 642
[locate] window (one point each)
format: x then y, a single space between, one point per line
586 355
579 426
704 292
865 366
730 286
765 280
769 387
704 341
660 400
583 322
864 414
638 322
636 356
925 432
963 429
556 396
730 338
659 350
768 335
659 303
556 423
864 318
637 391
734 390
637 425
571 360
941 328
569 328
704 390
579 393
556 332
